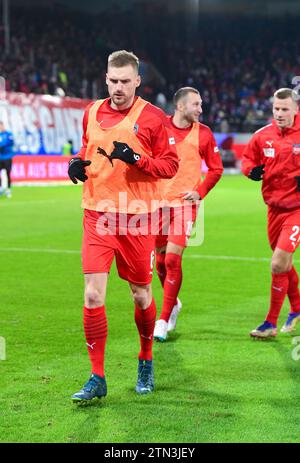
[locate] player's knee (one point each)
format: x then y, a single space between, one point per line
93 298
142 298
279 266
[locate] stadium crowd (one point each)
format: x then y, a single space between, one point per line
236 65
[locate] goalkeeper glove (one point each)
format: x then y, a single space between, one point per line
298 182
76 169
257 173
123 152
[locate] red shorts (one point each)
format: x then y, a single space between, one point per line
100 244
175 225
284 229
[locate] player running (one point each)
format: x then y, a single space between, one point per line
273 156
194 142
125 151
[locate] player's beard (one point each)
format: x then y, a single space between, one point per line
120 100
283 123
191 118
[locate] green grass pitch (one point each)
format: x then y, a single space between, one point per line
213 383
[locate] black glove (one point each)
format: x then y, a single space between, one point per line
124 152
77 169
298 182
257 172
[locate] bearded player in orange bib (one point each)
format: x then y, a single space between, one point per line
194 141
125 152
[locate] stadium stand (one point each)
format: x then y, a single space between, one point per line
235 66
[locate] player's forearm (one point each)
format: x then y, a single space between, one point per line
247 165
210 181
159 168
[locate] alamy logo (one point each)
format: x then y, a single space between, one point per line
2 348
296 351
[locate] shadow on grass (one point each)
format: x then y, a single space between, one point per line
182 397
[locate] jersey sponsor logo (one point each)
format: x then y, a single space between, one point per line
171 141
296 148
216 149
269 152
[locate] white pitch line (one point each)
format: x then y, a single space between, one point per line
186 256
52 251
21 203
238 258
246 259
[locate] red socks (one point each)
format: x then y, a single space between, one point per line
160 266
145 321
293 290
172 284
279 288
95 328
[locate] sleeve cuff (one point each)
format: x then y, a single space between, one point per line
201 192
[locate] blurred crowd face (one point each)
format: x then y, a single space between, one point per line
284 112
190 107
122 83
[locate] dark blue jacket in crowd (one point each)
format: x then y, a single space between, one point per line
6 145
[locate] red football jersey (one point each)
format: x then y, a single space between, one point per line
279 150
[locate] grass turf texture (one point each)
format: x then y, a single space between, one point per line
213 383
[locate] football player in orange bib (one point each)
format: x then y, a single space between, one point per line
194 142
125 151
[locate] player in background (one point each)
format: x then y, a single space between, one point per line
125 151
6 155
194 141
273 156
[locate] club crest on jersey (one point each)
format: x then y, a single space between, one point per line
296 148
136 128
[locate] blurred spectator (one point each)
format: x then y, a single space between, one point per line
6 155
67 149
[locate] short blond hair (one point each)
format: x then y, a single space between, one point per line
182 93
283 93
122 58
